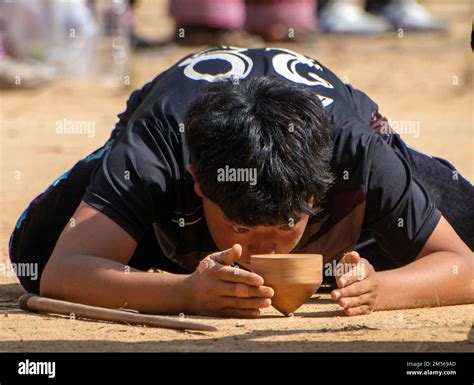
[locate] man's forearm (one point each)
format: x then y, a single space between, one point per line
441 278
101 282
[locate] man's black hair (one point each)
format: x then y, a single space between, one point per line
268 124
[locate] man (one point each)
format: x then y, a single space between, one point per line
280 157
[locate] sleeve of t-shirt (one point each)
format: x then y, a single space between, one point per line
399 212
132 184
362 104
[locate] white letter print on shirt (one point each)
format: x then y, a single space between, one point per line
284 62
241 65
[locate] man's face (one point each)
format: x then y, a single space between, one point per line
278 239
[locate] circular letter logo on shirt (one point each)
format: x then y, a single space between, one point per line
240 64
286 64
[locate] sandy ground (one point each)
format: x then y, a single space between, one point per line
426 79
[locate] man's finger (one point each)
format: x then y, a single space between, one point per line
205 264
352 257
236 275
355 272
247 303
240 313
354 290
364 299
228 289
242 290
364 309
229 256
348 258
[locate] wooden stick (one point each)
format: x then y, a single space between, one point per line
35 303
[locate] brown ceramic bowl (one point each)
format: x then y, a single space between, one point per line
293 277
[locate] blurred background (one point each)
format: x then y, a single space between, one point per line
67 68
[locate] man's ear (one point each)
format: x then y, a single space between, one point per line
197 188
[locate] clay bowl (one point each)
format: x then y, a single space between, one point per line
293 277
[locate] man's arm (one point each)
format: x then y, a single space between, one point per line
442 274
89 266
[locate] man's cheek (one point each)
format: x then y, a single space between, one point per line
288 245
225 240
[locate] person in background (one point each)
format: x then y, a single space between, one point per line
379 16
40 40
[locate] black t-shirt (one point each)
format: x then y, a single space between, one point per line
141 182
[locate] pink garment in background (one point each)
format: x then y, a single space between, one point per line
253 15
228 14
300 15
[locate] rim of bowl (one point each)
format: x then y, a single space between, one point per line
285 256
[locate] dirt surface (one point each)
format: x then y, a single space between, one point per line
317 326
421 78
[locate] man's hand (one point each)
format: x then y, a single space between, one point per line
358 286
217 289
